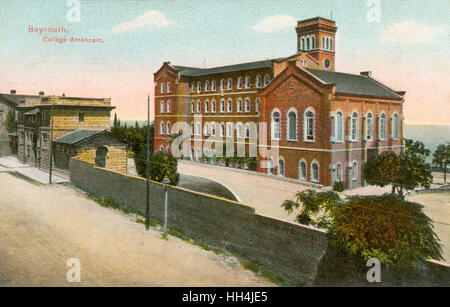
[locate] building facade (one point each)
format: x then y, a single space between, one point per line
50 121
306 121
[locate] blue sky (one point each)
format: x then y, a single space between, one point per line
407 49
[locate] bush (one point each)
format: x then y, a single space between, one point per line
338 186
386 227
164 164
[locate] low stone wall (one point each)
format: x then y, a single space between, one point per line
283 248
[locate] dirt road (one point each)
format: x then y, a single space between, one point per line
42 227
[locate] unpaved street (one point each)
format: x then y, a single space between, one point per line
42 227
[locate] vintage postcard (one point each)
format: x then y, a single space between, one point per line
258 144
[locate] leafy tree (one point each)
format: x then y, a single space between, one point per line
405 171
115 120
441 158
11 124
386 227
315 208
163 164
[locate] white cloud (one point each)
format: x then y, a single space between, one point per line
274 23
148 19
411 33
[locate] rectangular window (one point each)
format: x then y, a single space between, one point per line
81 117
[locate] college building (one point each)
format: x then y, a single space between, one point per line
321 125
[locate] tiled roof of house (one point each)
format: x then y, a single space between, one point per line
77 136
355 84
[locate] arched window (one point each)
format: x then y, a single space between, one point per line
270 166
198 129
247 131
275 126
222 130
314 171
331 44
292 126
213 129
239 105
213 85
213 106
206 106
161 148
258 81
302 43
302 170
339 129
168 128
192 129
161 128
168 87
313 42
339 172
308 133
355 170
168 108
266 79
100 156
199 87
355 126
240 83
280 167
162 88
192 87
239 130
257 105
222 84
192 106
206 86
307 43
161 107
230 105
247 105
229 130
167 149
222 106
199 107
369 126
247 82
229 84
206 129
383 127
395 127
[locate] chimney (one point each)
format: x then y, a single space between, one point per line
13 92
41 93
366 73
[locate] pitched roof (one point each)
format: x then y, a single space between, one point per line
194 72
77 136
355 84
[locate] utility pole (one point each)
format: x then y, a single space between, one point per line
51 146
147 190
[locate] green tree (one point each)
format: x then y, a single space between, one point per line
441 158
115 120
405 171
11 124
163 164
386 227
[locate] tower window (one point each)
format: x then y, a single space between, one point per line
81 117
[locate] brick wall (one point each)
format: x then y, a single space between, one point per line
284 248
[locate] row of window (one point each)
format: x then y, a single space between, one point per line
227 84
339 171
309 42
302 169
165 107
242 105
292 125
354 127
165 88
243 131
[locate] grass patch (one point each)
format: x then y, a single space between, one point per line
263 273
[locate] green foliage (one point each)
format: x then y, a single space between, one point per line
164 164
338 186
11 124
315 208
405 171
441 158
386 227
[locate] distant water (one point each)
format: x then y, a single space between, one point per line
430 135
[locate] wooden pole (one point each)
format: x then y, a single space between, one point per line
51 147
147 198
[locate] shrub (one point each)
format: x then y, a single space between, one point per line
164 164
338 186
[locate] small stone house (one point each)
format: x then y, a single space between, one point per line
98 147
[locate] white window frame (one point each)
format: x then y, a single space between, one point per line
383 127
213 85
339 128
240 83
272 125
229 105
300 177
266 79
161 128
239 105
229 84
395 127
168 106
168 89
306 125
206 106
161 106
354 123
316 180
222 106
247 102
213 106
168 128
247 82
281 159
288 125
369 126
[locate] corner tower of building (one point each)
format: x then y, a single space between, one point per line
317 37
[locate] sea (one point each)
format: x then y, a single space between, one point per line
430 135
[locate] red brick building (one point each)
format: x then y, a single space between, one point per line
321 125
